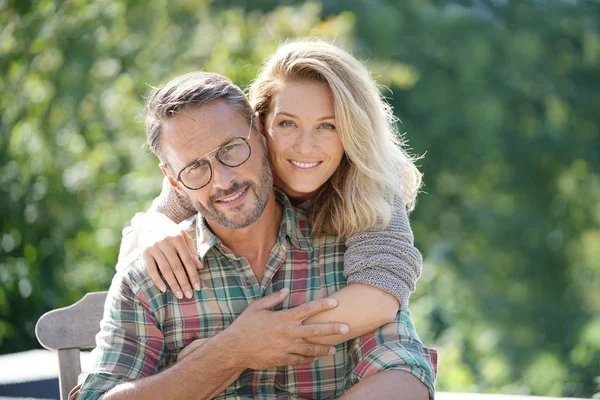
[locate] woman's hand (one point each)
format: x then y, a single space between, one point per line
167 247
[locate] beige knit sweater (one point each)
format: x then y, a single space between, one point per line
385 258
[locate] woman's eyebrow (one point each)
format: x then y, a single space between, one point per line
327 117
286 114
294 116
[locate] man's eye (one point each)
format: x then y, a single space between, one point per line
195 165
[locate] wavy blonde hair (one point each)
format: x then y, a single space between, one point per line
376 168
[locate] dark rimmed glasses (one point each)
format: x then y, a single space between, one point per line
232 153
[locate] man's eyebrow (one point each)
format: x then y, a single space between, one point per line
295 116
210 152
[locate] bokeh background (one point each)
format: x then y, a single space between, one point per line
502 97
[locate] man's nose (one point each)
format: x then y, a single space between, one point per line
223 176
304 143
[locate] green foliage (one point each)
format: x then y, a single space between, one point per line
501 96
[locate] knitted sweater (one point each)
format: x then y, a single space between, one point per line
384 258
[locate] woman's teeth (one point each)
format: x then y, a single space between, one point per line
304 165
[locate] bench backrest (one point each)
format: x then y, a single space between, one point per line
69 329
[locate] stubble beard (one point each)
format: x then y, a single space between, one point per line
262 190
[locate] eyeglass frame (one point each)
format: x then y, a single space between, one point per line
246 139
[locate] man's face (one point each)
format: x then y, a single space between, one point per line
235 197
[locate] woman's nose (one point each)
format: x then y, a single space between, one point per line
304 142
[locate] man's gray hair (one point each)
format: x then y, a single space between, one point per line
189 90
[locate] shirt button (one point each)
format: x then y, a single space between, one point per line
248 283
264 379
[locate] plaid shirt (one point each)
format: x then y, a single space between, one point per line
143 329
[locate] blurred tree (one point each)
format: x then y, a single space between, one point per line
73 167
501 96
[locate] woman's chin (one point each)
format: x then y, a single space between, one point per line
299 193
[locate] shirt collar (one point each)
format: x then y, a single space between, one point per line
294 226
294 223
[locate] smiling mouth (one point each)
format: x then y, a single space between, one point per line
232 198
305 165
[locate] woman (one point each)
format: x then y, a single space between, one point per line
334 150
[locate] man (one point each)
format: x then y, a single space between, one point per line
257 249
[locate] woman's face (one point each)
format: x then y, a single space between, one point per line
304 147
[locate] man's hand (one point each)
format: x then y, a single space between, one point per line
264 339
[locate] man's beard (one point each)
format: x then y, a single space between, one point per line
262 191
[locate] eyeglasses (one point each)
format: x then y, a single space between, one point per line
233 153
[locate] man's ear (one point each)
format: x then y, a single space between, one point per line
172 181
260 126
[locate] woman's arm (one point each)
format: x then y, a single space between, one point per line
382 268
172 204
165 246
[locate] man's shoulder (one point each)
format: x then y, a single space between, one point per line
131 270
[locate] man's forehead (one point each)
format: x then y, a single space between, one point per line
196 131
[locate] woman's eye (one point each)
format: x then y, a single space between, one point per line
287 123
327 126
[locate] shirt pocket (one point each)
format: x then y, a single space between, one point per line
195 319
323 379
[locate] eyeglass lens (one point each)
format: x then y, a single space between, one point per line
232 154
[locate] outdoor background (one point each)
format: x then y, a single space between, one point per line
502 97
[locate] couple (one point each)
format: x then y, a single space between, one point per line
275 263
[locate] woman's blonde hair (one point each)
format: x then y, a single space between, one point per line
376 169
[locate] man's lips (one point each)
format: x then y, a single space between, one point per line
233 199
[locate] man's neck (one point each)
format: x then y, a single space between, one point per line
256 241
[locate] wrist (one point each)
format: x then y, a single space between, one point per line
232 355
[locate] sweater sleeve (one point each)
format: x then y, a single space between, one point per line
386 258
176 207
169 202
172 204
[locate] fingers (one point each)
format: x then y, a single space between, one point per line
153 271
172 248
167 273
271 300
190 260
312 350
306 310
316 330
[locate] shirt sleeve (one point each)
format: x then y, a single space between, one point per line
385 258
130 344
394 346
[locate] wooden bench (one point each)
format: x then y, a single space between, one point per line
68 330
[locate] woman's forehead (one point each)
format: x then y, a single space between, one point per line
303 96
